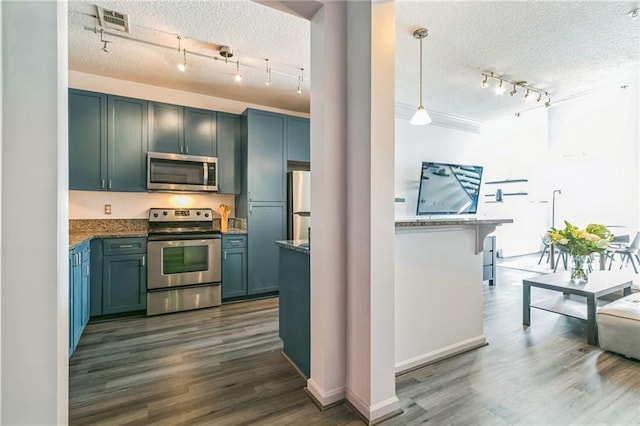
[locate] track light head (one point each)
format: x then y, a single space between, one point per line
500 88
485 82
182 66
548 103
634 13
105 47
539 97
514 91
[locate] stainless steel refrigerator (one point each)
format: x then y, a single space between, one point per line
298 205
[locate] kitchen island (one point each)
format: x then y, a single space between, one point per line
295 308
438 288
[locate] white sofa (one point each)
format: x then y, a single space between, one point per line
619 326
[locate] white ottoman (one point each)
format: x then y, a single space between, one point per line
619 326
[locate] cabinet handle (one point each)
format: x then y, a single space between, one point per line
126 246
102 184
186 148
109 183
143 260
250 208
249 195
87 274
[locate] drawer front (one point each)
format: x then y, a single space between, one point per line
234 241
119 246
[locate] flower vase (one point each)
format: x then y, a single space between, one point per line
580 269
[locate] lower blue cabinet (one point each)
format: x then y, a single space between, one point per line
234 266
124 275
79 284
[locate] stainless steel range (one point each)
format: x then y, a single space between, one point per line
184 253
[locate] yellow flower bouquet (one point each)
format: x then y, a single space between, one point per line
580 243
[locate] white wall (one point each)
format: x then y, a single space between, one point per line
136 205
34 369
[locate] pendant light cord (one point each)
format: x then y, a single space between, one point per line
421 105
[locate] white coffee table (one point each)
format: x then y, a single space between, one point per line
600 284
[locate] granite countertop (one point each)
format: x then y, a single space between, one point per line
301 246
235 231
76 238
417 223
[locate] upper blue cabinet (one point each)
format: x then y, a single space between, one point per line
229 153
107 142
298 139
182 130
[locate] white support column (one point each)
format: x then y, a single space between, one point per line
370 208
328 200
34 219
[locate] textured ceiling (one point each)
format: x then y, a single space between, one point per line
565 48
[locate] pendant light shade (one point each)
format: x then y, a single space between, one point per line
421 117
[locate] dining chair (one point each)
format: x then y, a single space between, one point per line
546 241
628 253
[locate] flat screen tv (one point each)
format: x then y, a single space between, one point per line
448 189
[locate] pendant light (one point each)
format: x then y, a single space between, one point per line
421 117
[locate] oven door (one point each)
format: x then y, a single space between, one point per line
183 262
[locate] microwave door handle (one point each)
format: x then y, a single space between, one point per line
205 166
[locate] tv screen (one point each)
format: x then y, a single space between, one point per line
448 189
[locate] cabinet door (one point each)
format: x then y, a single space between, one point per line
266 164
298 139
266 226
229 153
234 273
127 144
124 283
76 273
85 287
87 140
95 302
200 136
166 128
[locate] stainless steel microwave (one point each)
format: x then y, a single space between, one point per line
176 172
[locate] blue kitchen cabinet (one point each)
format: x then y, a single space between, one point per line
200 133
266 150
229 153
166 132
107 142
266 224
87 140
298 139
182 130
127 147
124 275
234 266
79 277
295 307
95 293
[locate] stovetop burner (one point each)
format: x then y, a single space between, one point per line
188 223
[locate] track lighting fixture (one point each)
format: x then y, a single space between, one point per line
516 84
548 103
225 53
268 80
420 117
183 65
237 76
634 13
105 47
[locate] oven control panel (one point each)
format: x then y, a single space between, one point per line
180 215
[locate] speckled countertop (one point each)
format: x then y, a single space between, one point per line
76 238
419 223
301 246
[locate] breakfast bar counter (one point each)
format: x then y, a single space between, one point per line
438 288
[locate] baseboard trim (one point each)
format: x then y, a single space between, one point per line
324 401
375 414
440 354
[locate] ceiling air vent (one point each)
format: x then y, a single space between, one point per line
113 20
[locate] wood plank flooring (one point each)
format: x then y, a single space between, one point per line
223 366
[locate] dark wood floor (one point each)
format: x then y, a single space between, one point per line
223 366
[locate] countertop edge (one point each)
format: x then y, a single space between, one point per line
418 223
294 245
